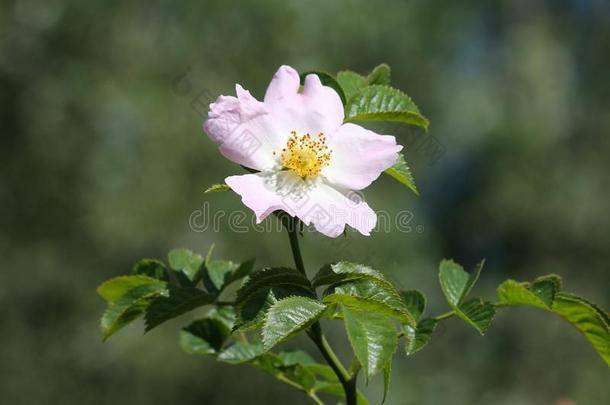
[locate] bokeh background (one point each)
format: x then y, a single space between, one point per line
104 161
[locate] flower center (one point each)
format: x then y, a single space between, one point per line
305 156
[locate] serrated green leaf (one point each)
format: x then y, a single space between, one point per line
215 188
186 263
511 292
345 271
289 316
243 270
351 83
224 314
379 75
370 295
415 302
455 282
591 321
544 293
292 357
218 274
151 268
417 338
327 80
323 371
130 306
387 375
546 287
383 103
176 301
372 337
204 337
241 352
262 289
113 289
478 313
400 171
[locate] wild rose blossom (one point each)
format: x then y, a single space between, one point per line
307 160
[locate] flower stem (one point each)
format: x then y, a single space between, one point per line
315 332
292 226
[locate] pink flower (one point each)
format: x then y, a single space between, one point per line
308 160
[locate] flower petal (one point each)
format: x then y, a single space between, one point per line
261 192
330 210
317 109
244 130
314 202
359 156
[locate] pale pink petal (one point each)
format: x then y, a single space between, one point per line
244 130
284 85
316 109
359 156
262 192
329 210
314 202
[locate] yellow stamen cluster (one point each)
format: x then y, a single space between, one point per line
305 156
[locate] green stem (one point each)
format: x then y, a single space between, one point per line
292 226
444 316
315 332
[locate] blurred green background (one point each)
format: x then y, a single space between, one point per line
104 161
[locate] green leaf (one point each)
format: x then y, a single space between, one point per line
379 75
214 188
415 302
289 316
187 263
383 103
241 352
297 375
387 374
512 292
544 293
327 80
113 289
243 270
345 271
218 274
370 295
205 336
129 306
351 83
262 289
546 287
151 268
455 282
456 285
224 314
177 301
478 313
221 273
417 338
337 390
292 357
372 337
590 320
400 171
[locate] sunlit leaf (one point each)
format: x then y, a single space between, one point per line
373 338
400 171
383 103
289 316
